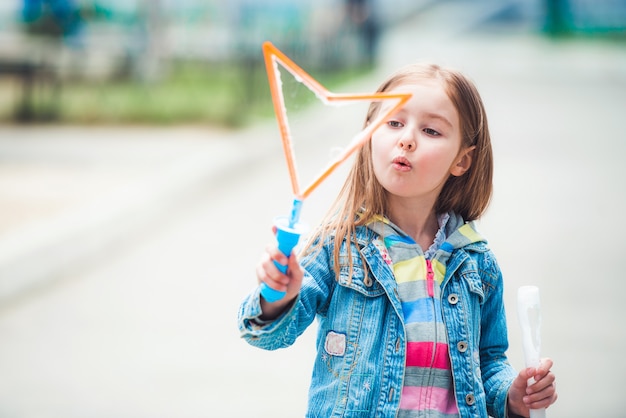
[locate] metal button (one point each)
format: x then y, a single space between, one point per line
462 346
470 399
453 298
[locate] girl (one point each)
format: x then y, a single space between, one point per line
407 293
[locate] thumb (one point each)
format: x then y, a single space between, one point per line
521 381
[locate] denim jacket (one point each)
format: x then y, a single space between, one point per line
359 368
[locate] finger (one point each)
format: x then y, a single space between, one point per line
546 363
541 400
269 270
542 387
277 255
544 366
274 273
292 261
542 376
271 276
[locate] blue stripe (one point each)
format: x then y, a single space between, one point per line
391 239
421 310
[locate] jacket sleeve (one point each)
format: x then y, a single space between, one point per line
497 372
317 285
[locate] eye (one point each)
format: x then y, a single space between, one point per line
431 132
395 124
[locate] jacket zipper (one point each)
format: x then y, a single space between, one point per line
430 284
430 278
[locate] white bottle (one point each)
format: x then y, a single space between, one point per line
529 314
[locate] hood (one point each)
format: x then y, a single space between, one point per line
453 232
398 249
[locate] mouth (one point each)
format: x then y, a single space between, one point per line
401 164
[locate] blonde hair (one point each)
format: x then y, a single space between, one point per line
363 197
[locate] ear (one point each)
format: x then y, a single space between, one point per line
463 161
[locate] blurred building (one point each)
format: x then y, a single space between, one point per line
105 38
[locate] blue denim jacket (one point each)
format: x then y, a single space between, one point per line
360 362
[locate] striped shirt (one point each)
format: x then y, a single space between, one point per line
428 385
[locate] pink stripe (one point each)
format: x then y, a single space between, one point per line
420 354
428 398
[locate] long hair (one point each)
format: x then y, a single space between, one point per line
363 197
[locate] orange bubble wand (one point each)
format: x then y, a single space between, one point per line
289 229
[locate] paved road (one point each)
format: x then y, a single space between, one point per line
146 327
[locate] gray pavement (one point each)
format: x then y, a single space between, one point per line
70 192
124 252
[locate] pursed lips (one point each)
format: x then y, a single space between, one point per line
401 164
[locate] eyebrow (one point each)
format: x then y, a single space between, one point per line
439 117
429 115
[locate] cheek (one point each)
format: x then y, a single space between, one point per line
379 151
379 157
436 162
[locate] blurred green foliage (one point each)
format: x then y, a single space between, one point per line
225 94
190 93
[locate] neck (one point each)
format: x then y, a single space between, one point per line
417 221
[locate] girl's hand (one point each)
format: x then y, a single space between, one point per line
540 394
268 273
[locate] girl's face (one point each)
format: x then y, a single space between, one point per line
419 147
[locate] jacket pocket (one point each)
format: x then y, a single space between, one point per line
474 284
360 281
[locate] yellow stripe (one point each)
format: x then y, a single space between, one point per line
410 270
469 233
440 270
378 218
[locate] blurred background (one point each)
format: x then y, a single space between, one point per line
140 169
166 61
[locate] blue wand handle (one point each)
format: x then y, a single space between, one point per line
288 232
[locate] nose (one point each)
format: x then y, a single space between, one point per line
407 143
